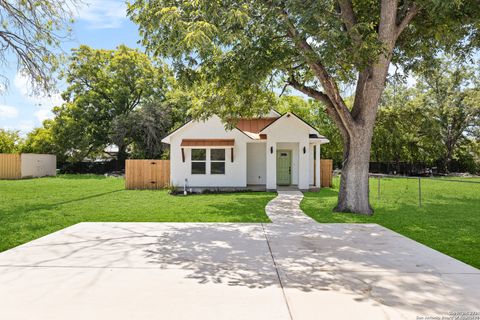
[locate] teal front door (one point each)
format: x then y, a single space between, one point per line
284 167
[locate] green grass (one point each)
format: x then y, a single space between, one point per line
33 208
448 221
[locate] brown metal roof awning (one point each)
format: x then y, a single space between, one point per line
207 143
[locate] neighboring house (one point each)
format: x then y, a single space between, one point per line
260 153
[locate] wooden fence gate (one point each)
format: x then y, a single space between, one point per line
147 174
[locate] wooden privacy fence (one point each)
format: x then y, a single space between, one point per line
10 166
326 172
147 174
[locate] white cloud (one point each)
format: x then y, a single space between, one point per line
44 114
25 127
8 111
22 84
44 103
103 14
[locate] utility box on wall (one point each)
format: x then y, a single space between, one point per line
27 165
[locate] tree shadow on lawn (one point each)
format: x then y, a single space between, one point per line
28 208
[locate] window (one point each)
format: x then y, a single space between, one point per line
217 161
199 161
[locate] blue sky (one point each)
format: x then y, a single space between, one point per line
99 24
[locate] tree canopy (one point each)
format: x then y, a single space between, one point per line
116 97
238 50
104 85
244 46
10 141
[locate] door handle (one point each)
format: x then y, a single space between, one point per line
289 170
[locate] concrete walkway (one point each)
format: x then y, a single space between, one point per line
292 268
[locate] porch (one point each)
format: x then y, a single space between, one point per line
278 165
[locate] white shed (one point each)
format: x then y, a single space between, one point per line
27 165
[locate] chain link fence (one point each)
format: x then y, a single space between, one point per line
421 190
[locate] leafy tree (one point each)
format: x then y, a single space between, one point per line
42 140
152 123
144 128
402 132
237 50
452 94
104 85
433 121
10 141
31 31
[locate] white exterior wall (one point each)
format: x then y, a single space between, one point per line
213 128
311 161
271 164
285 130
318 172
256 164
38 165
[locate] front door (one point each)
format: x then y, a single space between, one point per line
284 167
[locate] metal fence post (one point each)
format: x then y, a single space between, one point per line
378 188
419 191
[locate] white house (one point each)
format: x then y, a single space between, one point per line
260 153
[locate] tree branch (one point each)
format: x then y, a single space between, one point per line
411 13
331 89
309 91
318 95
348 18
388 22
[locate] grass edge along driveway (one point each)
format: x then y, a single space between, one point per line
448 221
32 208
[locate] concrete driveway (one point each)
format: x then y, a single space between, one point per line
293 268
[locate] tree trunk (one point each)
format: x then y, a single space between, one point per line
354 184
121 157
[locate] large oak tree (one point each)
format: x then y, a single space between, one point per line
102 86
239 48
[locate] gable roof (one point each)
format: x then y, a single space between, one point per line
287 114
254 128
186 124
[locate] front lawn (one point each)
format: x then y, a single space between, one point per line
448 221
33 208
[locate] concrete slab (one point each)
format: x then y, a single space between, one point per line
143 271
147 245
293 268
